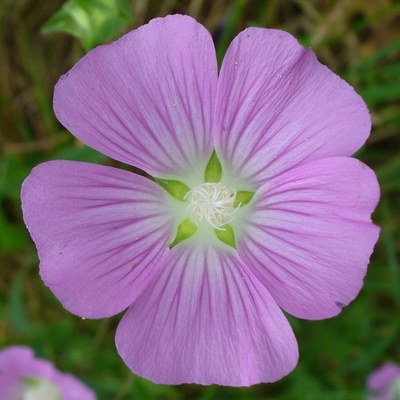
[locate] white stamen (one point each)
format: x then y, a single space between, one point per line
212 202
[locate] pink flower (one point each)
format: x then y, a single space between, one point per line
24 377
385 382
263 208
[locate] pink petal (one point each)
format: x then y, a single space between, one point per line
101 233
278 107
310 235
145 99
12 362
382 378
206 319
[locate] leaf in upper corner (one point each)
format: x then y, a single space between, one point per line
91 21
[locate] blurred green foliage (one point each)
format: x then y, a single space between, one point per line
91 21
359 40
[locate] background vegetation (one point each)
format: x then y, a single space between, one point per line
358 39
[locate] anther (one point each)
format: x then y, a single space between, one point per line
213 203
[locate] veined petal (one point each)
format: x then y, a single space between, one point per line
101 233
309 235
206 319
278 107
147 98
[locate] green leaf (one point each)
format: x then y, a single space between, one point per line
15 236
91 21
176 189
226 235
18 315
381 92
186 229
78 152
381 54
243 197
213 170
229 27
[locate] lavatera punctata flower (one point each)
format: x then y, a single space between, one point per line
25 377
253 203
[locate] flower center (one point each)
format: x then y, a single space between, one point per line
213 203
40 389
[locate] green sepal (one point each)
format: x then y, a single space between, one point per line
185 229
243 197
226 235
176 189
29 381
213 170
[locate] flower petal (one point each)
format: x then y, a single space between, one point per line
278 107
73 389
101 233
309 235
145 99
382 378
206 319
11 360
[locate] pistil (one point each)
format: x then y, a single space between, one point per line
212 203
